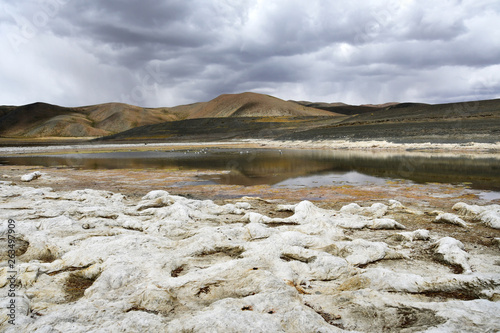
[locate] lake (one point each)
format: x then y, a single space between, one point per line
292 168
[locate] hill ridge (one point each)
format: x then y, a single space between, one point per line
42 119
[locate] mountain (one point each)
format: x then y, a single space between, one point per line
46 120
251 115
252 105
463 122
345 109
477 121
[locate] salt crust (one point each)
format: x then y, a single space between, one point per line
488 215
451 219
168 263
31 176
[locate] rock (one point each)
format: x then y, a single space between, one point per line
376 210
385 224
434 213
497 242
348 217
488 215
31 176
410 236
451 219
361 252
243 205
394 204
451 251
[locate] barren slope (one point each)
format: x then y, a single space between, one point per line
43 120
253 105
406 122
46 120
346 109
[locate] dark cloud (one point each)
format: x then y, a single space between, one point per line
169 52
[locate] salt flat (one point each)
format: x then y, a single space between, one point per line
98 261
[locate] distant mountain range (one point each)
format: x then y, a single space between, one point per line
253 115
46 120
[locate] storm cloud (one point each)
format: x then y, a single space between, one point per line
165 53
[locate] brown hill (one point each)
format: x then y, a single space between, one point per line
252 105
46 120
43 120
476 121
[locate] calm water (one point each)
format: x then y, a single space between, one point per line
293 168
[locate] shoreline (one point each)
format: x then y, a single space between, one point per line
373 145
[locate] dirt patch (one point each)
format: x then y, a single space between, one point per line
20 247
233 252
75 286
177 272
47 256
391 319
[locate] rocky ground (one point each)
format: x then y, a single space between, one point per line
129 251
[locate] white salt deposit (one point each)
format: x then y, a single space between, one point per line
451 251
488 215
31 176
451 219
95 261
410 236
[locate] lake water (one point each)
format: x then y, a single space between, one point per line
293 168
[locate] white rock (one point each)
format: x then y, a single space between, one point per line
360 251
327 267
491 217
451 219
482 316
410 236
388 280
31 176
258 231
385 224
385 279
352 208
451 251
155 194
488 215
286 208
375 211
306 212
393 204
243 205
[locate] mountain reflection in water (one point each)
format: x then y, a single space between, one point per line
292 168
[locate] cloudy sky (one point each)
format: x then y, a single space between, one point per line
171 52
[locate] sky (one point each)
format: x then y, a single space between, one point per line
157 53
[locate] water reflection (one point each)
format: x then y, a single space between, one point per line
331 178
293 167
